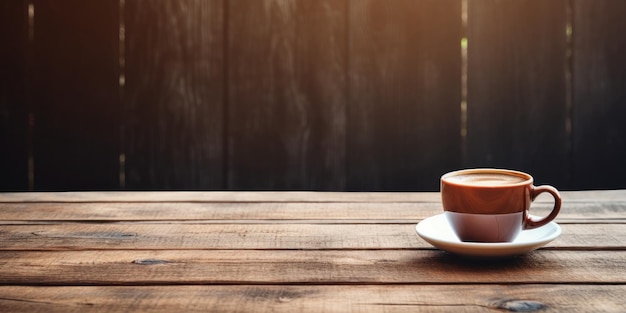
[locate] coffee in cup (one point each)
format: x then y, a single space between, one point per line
492 205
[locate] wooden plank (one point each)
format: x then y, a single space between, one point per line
268 235
591 196
174 94
13 99
75 95
314 298
599 97
286 95
207 236
219 196
217 212
328 212
517 112
304 267
405 94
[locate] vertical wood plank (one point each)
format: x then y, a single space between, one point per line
13 106
405 93
174 94
599 110
517 111
287 94
75 94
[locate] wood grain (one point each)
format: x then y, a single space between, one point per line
167 267
208 236
75 95
174 95
223 196
288 212
308 95
265 235
312 298
589 196
286 95
517 111
599 81
216 212
269 251
14 107
405 89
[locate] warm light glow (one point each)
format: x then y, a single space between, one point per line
31 21
464 44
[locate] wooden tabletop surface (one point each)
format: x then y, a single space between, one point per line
292 252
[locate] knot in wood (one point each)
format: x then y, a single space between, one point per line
513 305
149 261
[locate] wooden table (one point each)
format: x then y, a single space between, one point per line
291 252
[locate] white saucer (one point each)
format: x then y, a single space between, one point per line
436 231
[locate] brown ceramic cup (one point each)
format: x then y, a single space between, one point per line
491 205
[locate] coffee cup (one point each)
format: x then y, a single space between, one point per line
492 205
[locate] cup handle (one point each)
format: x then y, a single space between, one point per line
531 223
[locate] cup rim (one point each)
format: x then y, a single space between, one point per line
528 179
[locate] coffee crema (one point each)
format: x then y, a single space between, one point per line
485 179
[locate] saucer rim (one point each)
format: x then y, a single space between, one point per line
485 249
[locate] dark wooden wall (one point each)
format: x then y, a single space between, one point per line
309 94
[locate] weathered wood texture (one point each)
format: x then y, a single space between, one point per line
264 234
259 212
298 251
404 108
313 298
174 94
286 94
517 112
308 95
244 267
594 197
